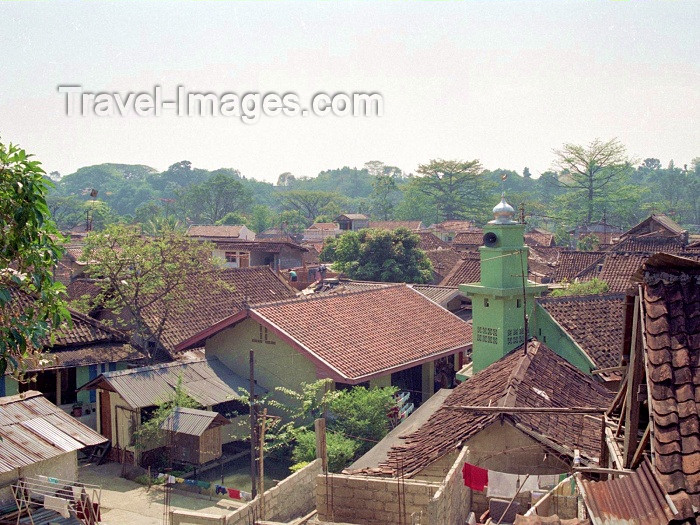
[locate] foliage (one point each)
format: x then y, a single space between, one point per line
379 255
150 431
341 450
293 221
142 279
210 201
29 249
361 413
588 243
589 171
593 287
457 188
309 203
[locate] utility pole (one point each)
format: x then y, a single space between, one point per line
253 424
261 479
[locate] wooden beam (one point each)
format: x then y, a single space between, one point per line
643 444
528 410
608 370
613 448
636 375
600 470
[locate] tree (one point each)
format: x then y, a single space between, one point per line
285 180
589 171
593 287
211 200
456 187
142 279
526 173
30 247
309 203
384 189
292 221
379 255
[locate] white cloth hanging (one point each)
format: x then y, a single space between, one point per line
60 505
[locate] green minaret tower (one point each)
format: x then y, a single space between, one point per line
499 302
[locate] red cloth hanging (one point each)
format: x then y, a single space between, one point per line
476 478
234 494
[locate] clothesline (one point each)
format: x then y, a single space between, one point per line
217 489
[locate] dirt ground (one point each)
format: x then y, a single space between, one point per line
126 502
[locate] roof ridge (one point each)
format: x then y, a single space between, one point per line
518 373
29 394
321 297
159 366
581 298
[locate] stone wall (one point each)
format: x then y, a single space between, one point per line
371 500
452 503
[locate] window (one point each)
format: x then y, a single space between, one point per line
237 259
263 336
517 303
486 302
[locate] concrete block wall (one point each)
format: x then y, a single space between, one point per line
293 497
370 500
452 503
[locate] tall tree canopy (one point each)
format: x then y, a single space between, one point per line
379 255
458 188
591 172
29 250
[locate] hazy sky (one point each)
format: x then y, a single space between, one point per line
501 81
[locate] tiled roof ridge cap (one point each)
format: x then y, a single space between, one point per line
652 277
518 373
322 297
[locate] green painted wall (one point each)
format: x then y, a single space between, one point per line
555 337
497 299
276 362
82 376
11 386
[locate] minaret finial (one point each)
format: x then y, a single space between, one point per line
503 212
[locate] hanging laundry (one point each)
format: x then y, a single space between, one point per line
203 484
190 482
234 494
246 496
220 490
179 480
476 478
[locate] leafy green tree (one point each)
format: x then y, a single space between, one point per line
142 279
458 189
384 190
588 243
292 221
593 287
261 218
589 172
209 201
309 203
379 255
232 218
30 247
341 450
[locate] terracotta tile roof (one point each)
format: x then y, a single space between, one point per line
659 223
538 237
324 226
469 239
650 245
571 263
204 307
453 226
539 378
355 336
91 355
368 333
594 322
392 225
263 245
618 269
430 241
671 309
213 231
468 270
444 261
81 287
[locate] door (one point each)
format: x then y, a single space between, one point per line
105 415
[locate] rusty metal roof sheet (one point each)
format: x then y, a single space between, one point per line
34 429
207 381
635 499
192 421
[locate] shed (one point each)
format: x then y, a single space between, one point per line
194 435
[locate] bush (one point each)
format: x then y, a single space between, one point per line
593 287
341 450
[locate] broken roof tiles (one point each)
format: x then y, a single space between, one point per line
594 322
538 378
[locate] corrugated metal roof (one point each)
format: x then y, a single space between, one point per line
439 294
207 381
192 421
633 499
34 429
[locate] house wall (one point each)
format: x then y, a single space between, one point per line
371 500
437 470
504 448
452 503
276 362
124 422
555 337
64 466
290 258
